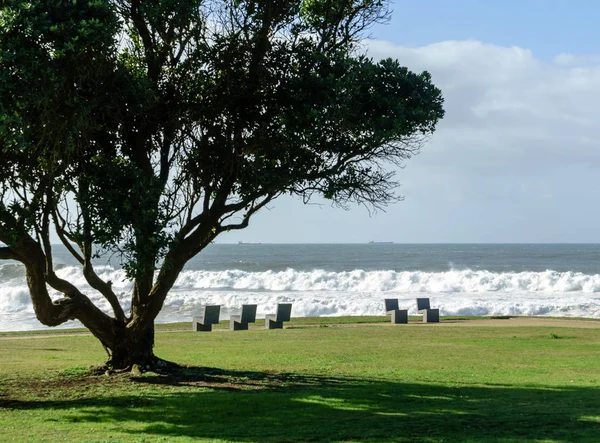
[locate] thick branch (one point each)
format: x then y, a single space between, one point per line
7 254
246 218
53 313
149 48
187 248
172 265
105 288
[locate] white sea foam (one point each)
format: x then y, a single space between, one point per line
453 281
323 293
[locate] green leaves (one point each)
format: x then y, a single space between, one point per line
149 124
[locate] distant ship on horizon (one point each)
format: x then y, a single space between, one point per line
380 242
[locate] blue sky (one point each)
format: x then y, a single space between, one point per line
546 27
517 158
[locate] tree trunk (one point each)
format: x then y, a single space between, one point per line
131 346
127 342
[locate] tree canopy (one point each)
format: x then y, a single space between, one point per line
146 128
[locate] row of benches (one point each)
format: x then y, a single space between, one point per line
401 315
239 322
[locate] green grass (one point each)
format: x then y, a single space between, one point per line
298 322
367 382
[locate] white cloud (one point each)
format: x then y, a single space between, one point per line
521 138
576 60
516 159
502 101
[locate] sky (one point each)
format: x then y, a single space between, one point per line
517 157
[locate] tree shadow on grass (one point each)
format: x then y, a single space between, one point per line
209 403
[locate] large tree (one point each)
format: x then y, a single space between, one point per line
146 128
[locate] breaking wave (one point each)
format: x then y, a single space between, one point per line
324 293
453 281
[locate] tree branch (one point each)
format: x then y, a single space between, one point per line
105 288
149 49
74 306
246 218
8 254
60 231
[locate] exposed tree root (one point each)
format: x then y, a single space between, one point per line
156 365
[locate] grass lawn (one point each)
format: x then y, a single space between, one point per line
365 382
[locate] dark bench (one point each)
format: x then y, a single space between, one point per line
429 315
398 315
239 322
275 321
209 317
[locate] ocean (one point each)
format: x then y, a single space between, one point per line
352 279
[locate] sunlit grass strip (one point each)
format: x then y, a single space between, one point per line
295 322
